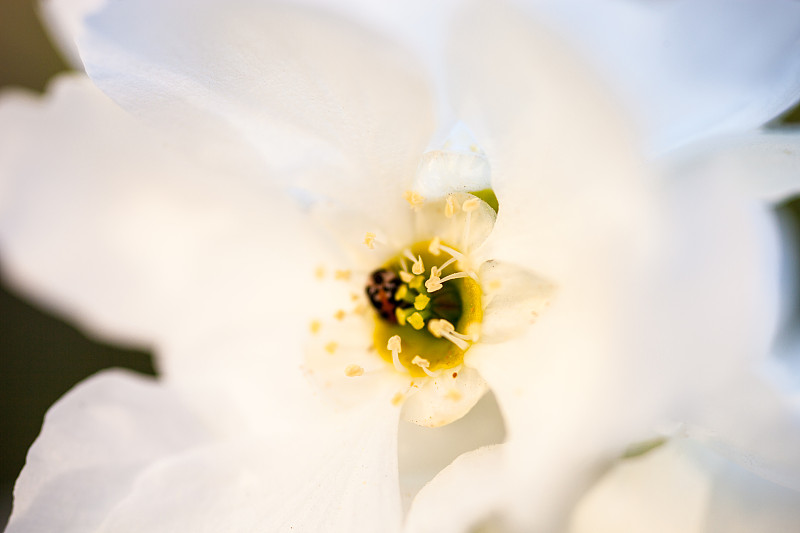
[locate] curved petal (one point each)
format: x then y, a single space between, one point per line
757 427
127 235
571 190
766 164
335 475
663 492
690 68
683 487
65 20
463 496
314 96
95 441
513 299
424 452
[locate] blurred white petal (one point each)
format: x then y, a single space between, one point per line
689 68
95 443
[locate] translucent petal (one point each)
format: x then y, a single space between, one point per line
326 107
689 68
95 442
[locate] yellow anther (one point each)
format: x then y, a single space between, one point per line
418 267
421 302
394 344
439 327
435 246
339 315
416 321
331 347
450 206
424 364
360 309
315 326
341 274
397 399
414 199
471 204
369 240
416 283
433 284
401 292
405 276
354 296
353 371
319 272
420 362
401 316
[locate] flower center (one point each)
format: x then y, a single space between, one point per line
428 309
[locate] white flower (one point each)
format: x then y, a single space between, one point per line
183 237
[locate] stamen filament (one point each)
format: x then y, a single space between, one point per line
394 345
453 253
468 207
441 328
424 364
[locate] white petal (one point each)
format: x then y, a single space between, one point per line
444 399
459 165
94 443
461 497
663 491
766 163
327 106
513 299
337 475
125 234
424 452
570 189
464 231
690 68
742 502
683 487
756 425
65 20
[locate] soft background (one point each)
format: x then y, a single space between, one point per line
42 356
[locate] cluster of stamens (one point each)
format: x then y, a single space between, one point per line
422 297
407 293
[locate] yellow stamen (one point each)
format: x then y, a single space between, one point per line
450 206
331 347
394 345
418 267
421 302
353 371
401 292
341 274
339 315
405 276
369 240
471 204
315 326
414 199
416 283
416 321
424 364
435 246
401 316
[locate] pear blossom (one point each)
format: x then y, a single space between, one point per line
315 251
